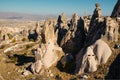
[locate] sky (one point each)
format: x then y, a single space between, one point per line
46 7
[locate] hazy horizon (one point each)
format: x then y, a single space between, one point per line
56 7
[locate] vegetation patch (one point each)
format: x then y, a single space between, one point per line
24 39
9 35
29 46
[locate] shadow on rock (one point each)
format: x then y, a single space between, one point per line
67 67
114 70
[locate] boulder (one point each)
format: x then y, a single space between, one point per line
26 73
36 67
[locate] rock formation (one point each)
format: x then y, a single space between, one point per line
49 52
62 27
48 32
111 31
78 44
116 10
75 36
94 51
96 17
86 22
101 27
88 63
66 59
116 13
95 26
88 59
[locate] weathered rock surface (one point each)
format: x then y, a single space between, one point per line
96 17
48 32
101 27
66 59
75 36
116 10
80 38
47 54
26 73
96 54
17 47
111 31
62 27
96 26
36 67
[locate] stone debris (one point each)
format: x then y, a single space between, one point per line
26 73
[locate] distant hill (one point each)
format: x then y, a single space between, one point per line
22 16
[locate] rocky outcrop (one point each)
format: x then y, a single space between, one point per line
116 13
96 17
62 27
86 23
48 32
88 58
96 27
93 53
114 70
48 53
80 38
101 27
75 36
7 33
37 66
116 10
17 47
62 19
46 56
67 58
111 31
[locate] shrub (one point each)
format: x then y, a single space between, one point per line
14 40
9 35
32 40
57 77
24 39
14 59
28 46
